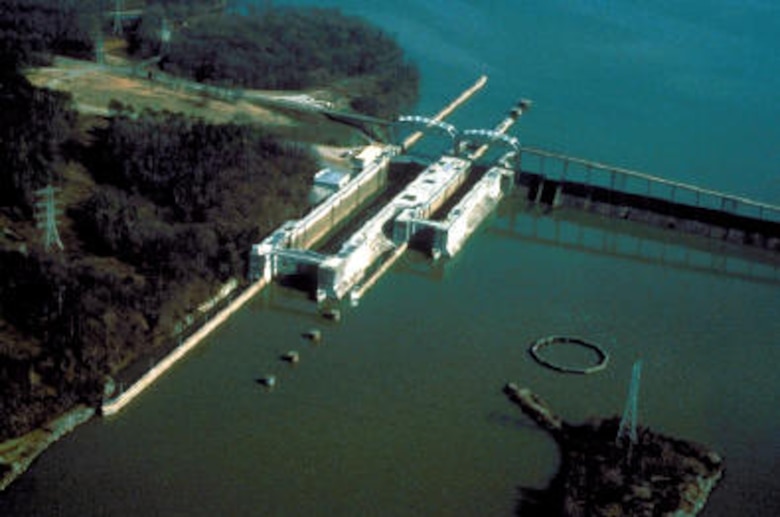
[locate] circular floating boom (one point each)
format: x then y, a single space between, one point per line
540 344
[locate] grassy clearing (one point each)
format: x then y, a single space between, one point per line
93 89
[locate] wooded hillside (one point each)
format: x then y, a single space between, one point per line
157 209
284 48
174 207
30 27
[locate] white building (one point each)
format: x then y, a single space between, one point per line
326 183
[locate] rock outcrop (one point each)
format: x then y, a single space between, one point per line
600 476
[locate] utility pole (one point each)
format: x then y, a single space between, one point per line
46 216
627 429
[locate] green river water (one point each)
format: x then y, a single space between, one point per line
399 410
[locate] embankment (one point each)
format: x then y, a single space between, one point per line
18 454
118 403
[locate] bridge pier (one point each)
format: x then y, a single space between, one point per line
559 180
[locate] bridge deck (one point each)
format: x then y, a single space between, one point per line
558 180
563 168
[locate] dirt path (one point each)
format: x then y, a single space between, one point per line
94 87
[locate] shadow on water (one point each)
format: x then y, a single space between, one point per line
304 282
532 502
540 502
509 421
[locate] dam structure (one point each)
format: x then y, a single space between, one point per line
381 240
447 201
446 236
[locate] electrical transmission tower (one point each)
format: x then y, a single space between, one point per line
119 7
100 54
46 216
627 429
165 36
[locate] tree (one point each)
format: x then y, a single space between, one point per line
287 48
35 124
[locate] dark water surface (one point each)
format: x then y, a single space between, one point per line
399 410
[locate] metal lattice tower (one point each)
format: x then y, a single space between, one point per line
165 36
46 216
627 429
119 7
100 54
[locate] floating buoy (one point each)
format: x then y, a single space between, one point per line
332 314
291 357
313 335
269 381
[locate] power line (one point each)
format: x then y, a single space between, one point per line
165 36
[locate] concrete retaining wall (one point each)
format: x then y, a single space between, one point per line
340 273
304 233
468 214
331 212
115 405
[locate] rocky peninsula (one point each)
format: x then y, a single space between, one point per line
601 476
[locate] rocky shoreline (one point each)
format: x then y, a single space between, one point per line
598 476
18 454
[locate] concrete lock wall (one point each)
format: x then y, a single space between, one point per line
331 212
469 213
474 208
338 274
425 194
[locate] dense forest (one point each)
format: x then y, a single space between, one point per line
284 48
32 29
35 125
267 48
175 206
157 209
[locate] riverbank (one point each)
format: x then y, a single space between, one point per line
18 454
602 476
118 403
